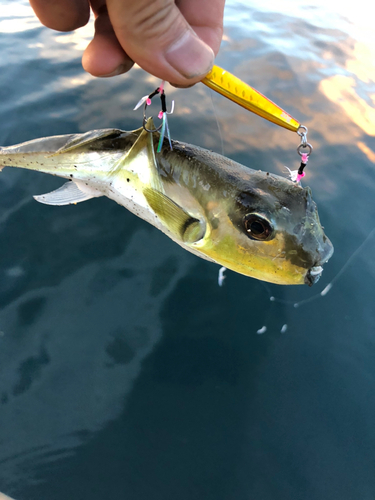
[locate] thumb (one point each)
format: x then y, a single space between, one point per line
156 35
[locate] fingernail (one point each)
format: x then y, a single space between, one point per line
180 86
190 56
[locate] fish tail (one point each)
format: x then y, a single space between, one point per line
35 161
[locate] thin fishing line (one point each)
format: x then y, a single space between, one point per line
217 121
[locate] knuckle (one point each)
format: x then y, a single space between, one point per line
153 20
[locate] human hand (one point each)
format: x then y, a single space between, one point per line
173 40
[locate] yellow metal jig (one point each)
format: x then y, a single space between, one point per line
239 92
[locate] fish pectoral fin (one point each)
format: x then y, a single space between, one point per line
68 194
181 224
79 140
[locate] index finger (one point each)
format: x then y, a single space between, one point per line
62 15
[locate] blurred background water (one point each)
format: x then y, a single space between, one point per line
125 371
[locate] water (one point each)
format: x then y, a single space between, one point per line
125 371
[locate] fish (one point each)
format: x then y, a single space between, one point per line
4 497
252 222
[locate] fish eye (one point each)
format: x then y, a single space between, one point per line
257 227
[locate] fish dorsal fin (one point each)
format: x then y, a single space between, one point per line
149 125
68 194
180 223
79 140
144 143
141 157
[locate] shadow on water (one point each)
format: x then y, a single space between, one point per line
67 239
183 428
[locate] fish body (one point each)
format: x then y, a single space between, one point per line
252 222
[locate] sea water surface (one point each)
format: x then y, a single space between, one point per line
125 370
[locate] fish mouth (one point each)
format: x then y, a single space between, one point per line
315 272
313 275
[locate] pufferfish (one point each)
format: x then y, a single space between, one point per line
252 222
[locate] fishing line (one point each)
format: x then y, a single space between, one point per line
328 287
217 121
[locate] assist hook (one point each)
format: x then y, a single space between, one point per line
163 127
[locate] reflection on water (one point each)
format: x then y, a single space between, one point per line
17 17
124 368
65 345
342 90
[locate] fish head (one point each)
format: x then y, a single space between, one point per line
268 229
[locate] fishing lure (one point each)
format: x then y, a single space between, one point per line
241 93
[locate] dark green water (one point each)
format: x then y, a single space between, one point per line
125 371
